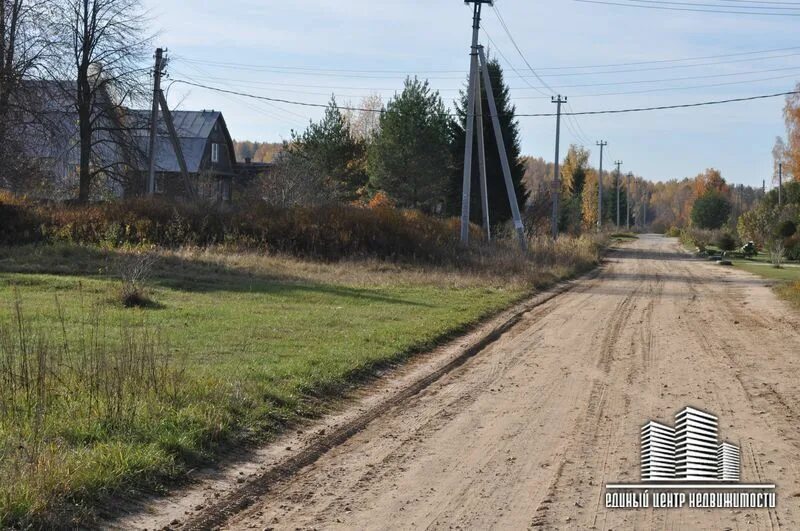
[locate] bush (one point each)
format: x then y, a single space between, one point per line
18 221
701 238
673 232
327 232
792 245
786 228
134 273
726 242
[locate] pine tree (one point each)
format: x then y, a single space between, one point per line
330 148
410 156
499 209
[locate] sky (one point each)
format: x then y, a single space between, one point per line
307 50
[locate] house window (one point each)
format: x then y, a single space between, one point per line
214 152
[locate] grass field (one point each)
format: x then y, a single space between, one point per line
99 399
788 275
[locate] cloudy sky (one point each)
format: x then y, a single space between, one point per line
306 50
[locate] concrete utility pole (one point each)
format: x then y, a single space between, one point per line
780 183
473 73
628 203
501 149
558 100
646 200
618 163
478 66
602 144
482 160
157 72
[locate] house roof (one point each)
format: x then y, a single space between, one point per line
57 134
193 128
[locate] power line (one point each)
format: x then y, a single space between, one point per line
664 107
582 113
779 7
667 8
292 88
315 71
571 121
670 89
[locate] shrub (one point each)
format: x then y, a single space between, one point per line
700 238
792 245
786 228
726 242
327 232
673 232
134 272
19 222
777 253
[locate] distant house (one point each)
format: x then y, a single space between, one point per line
207 149
121 149
45 130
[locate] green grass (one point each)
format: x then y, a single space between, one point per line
787 276
240 348
624 236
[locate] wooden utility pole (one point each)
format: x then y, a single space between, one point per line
159 100
176 145
157 73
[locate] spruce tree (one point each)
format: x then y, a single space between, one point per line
499 209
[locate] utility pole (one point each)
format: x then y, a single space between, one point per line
646 200
628 203
602 144
558 100
780 183
482 160
501 150
157 72
159 100
478 66
618 163
473 73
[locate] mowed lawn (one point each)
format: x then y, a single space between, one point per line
245 348
788 276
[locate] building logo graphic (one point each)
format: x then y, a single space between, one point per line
686 464
690 451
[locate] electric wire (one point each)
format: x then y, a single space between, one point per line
581 113
688 9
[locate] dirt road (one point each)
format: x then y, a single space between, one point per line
527 433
